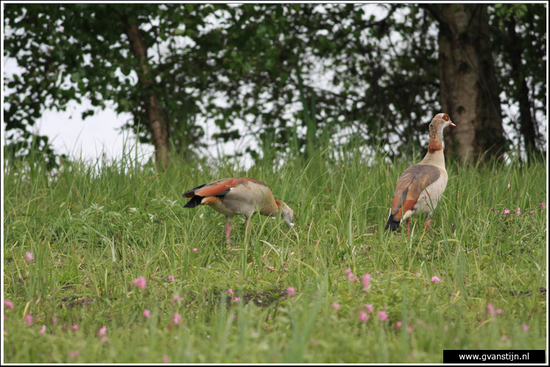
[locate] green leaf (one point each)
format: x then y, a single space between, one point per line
75 77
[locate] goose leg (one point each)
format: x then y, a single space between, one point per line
227 229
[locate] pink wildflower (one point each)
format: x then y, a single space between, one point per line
165 359
73 354
42 329
171 278
54 319
351 278
525 328
362 316
74 327
230 291
8 304
146 313
177 298
177 318
28 317
398 324
102 331
531 211
436 279
236 299
29 256
139 282
336 305
291 291
543 205
195 249
519 212
409 329
491 309
370 308
499 311
382 316
506 211
366 281
271 268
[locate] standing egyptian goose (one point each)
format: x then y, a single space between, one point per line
420 187
241 195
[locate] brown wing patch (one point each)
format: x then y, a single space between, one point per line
190 193
409 186
408 205
193 191
398 209
218 187
221 187
400 193
213 190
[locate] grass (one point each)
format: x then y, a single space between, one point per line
95 227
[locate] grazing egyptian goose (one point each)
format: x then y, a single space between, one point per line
420 187
241 195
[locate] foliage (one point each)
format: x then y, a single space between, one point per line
311 74
520 38
298 76
32 150
75 51
93 229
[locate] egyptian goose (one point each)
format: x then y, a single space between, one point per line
241 195
420 187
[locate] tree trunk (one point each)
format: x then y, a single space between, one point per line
157 124
527 126
469 89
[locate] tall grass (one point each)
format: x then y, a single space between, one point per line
94 228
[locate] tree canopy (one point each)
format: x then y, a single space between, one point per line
298 76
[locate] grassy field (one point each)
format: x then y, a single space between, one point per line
76 244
